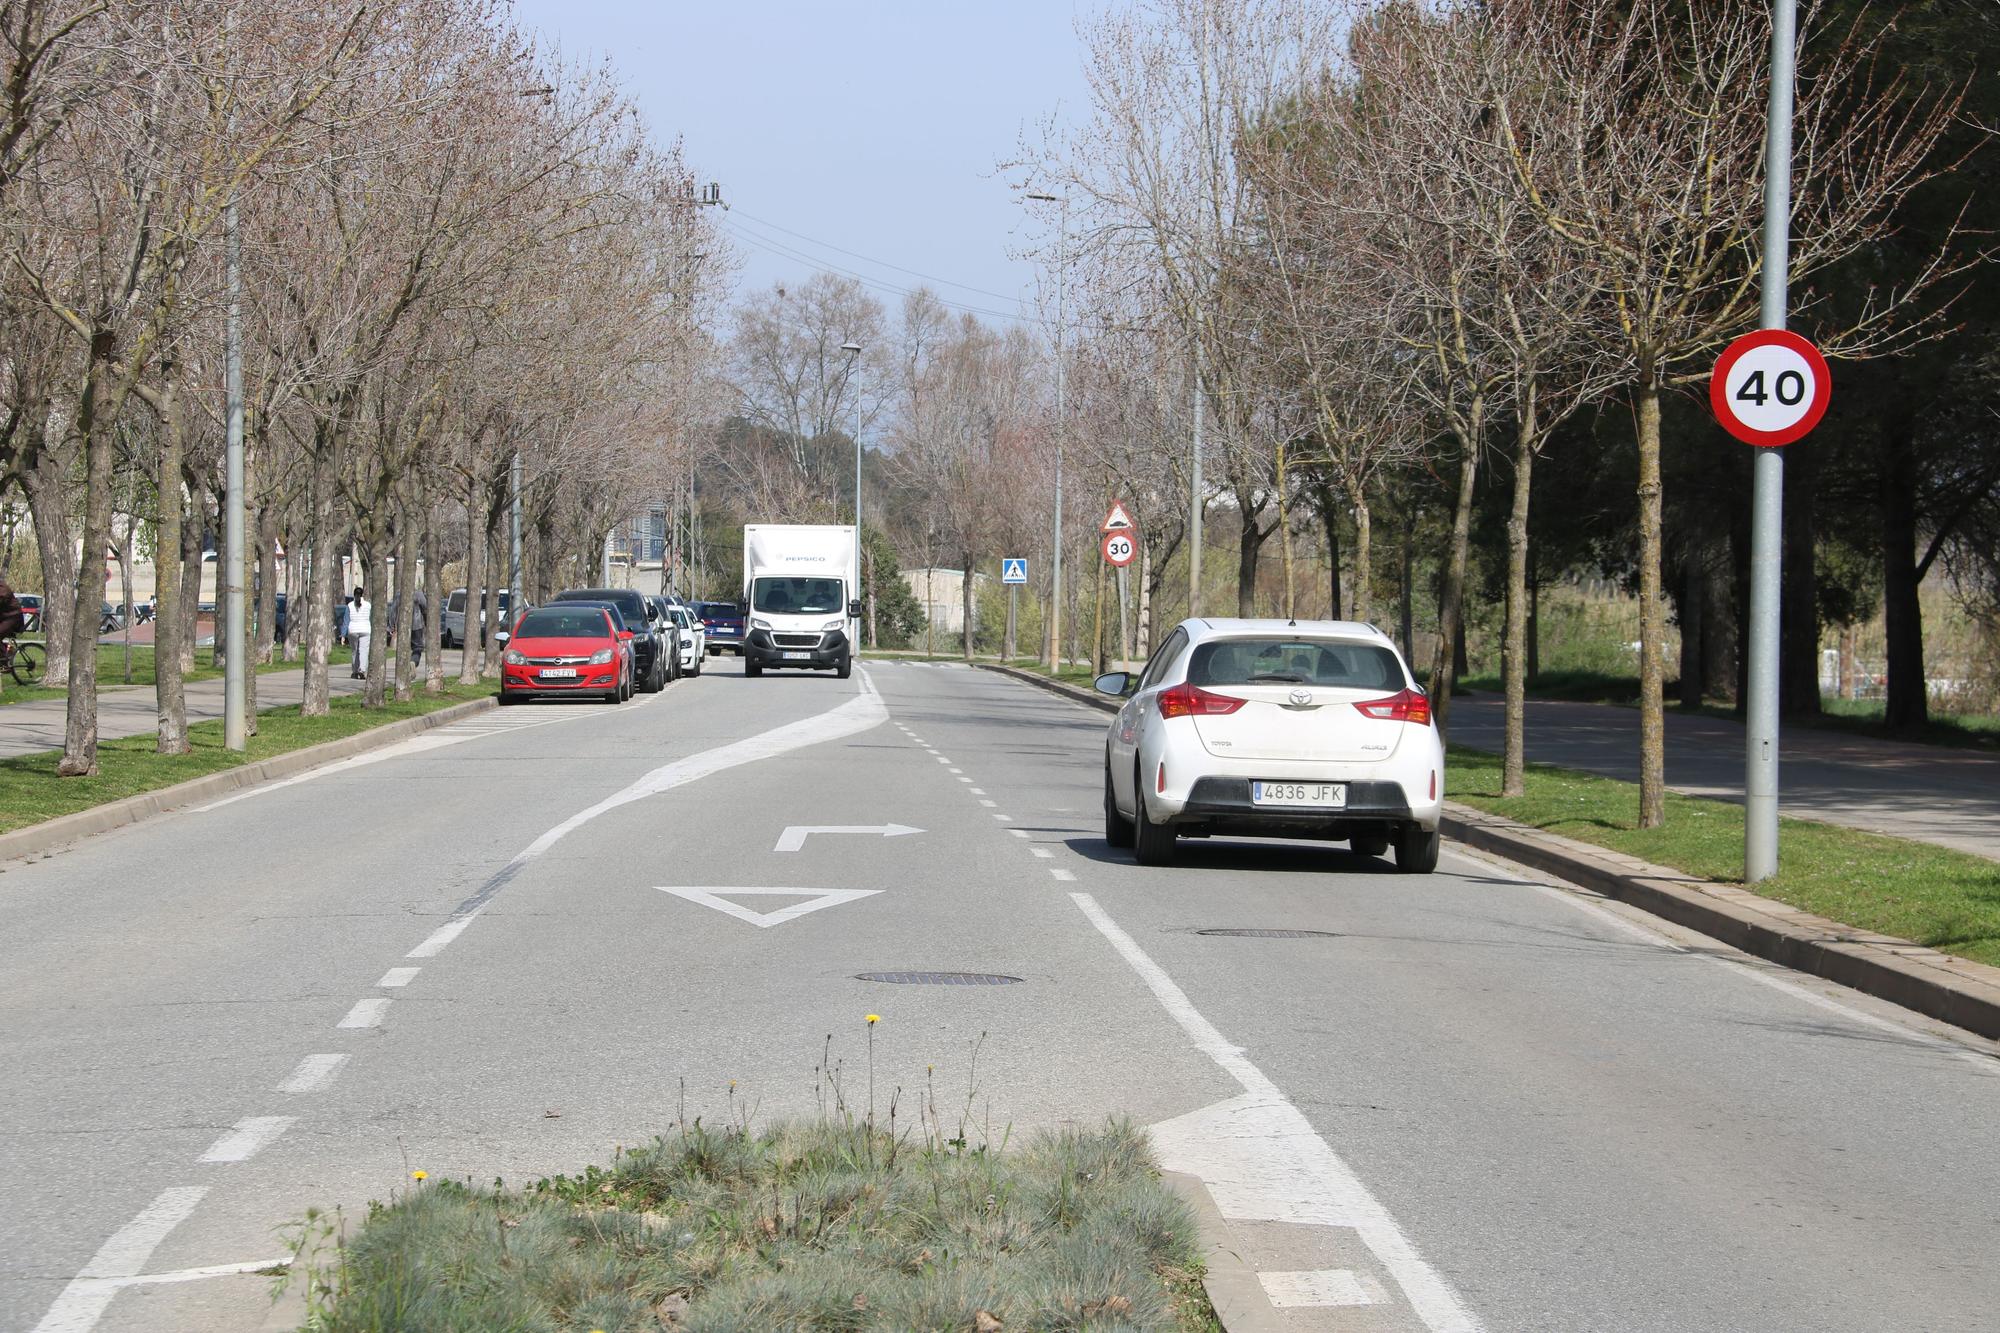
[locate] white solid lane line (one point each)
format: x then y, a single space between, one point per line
248 1137
434 942
81 1303
314 1072
398 976
366 1013
1263 1161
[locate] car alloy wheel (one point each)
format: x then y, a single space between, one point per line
1153 843
1117 828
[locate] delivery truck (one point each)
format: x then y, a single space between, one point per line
801 597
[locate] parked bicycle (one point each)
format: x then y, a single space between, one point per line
25 662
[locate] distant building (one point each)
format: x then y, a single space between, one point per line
941 592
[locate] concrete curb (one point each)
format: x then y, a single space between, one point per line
1233 1289
53 833
1073 693
1954 990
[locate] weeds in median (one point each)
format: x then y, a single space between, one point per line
836 1223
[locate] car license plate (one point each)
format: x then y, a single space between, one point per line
1318 795
798 657
559 673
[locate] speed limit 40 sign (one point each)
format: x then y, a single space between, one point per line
1770 388
1119 549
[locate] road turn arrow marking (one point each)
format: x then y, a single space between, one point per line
794 837
711 896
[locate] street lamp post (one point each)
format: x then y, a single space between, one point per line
853 350
1055 544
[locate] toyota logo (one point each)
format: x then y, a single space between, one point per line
1300 698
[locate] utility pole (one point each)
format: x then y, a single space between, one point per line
1062 430
1767 504
514 538
235 719
853 350
1194 500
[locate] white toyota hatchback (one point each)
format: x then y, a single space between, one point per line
1274 728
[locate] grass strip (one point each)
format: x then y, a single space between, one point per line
30 791
1945 899
820 1225
111 672
1855 717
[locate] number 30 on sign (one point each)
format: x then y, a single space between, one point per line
1119 549
1770 388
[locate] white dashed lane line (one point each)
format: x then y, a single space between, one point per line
398 976
248 1137
314 1072
366 1013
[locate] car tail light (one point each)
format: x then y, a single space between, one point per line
1160 783
1409 706
1186 700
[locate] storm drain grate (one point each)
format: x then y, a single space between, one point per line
1261 933
938 978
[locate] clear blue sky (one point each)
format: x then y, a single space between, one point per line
875 125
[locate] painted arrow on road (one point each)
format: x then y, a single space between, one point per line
816 899
794 837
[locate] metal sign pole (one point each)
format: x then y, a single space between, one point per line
1767 506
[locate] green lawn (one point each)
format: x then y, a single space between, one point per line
30 791
825 1225
1945 899
1862 717
111 672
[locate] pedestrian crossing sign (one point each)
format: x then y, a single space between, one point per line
1014 569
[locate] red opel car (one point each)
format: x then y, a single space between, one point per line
567 650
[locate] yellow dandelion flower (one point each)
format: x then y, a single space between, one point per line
874 1019
420 1174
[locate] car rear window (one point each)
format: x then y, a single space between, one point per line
548 623
1334 663
720 610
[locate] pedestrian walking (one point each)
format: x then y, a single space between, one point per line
418 609
359 615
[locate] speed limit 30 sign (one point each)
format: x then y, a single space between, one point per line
1770 388
1119 549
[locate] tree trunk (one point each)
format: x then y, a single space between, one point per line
375 549
1329 516
192 533
319 603
471 649
496 559
1098 663
1452 596
168 690
94 422
1514 640
1408 611
433 635
1652 615
1798 635
1249 545
1534 614
47 485
1908 702
406 603
1364 555
965 604
874 640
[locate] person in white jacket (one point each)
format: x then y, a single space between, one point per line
359 610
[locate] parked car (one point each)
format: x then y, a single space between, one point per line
31 612
451 629
723 626
579 649
1274 728
655 641
693 639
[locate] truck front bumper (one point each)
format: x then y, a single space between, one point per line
790 650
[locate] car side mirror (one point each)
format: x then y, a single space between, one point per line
624 636
1114 683
503 636
854 608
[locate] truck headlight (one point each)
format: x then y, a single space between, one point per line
832 624
759 624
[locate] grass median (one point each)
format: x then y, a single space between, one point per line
111 672
30 791
1944 899
823 1225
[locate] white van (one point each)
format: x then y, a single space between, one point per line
452 628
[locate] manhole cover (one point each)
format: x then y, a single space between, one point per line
1259 933
938 978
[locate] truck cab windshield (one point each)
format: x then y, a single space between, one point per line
796 597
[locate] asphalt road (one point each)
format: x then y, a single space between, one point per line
1476 1101
1931 793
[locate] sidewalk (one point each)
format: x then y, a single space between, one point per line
133 710
1927 793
